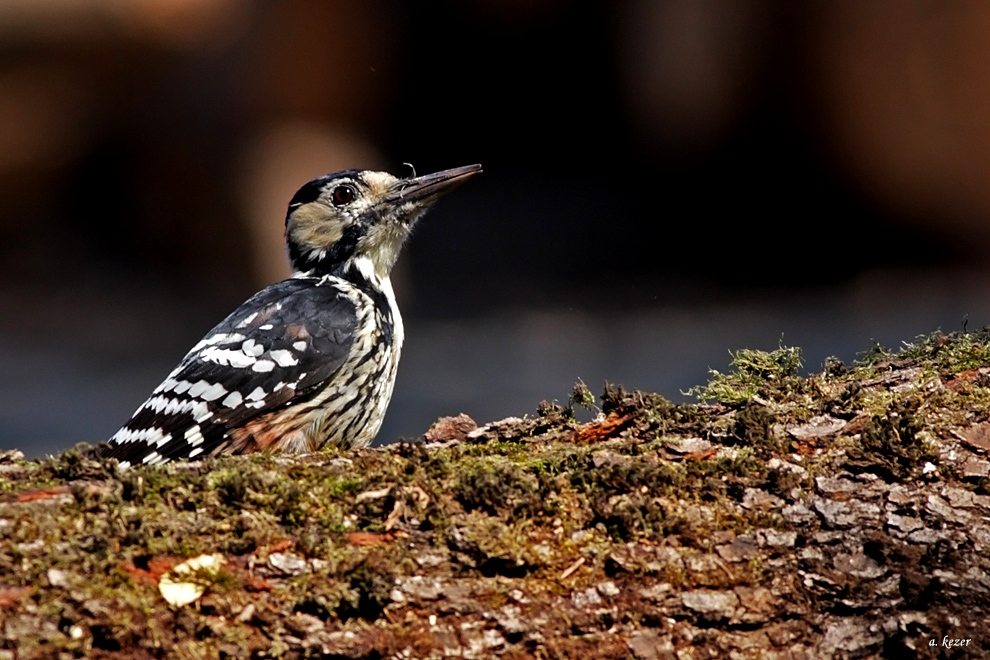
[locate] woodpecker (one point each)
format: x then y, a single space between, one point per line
306 362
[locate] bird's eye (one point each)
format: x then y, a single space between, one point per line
342 195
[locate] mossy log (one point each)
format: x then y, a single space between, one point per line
842 514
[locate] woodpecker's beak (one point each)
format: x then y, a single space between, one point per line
427 188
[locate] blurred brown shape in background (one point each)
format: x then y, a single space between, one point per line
904 108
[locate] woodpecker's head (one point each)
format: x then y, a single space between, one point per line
359 219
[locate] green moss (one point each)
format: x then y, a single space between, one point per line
515 507
892 445
368 587
581 396
752 371
937 352
502 488
492 547
753 426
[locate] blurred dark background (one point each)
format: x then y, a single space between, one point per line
664 180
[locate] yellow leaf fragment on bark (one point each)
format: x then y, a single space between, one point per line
182 586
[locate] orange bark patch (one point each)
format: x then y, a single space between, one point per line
157 567
371 538
10 595
601 430
43 494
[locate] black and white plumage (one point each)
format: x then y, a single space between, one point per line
308 361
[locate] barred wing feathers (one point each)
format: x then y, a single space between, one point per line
273 351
